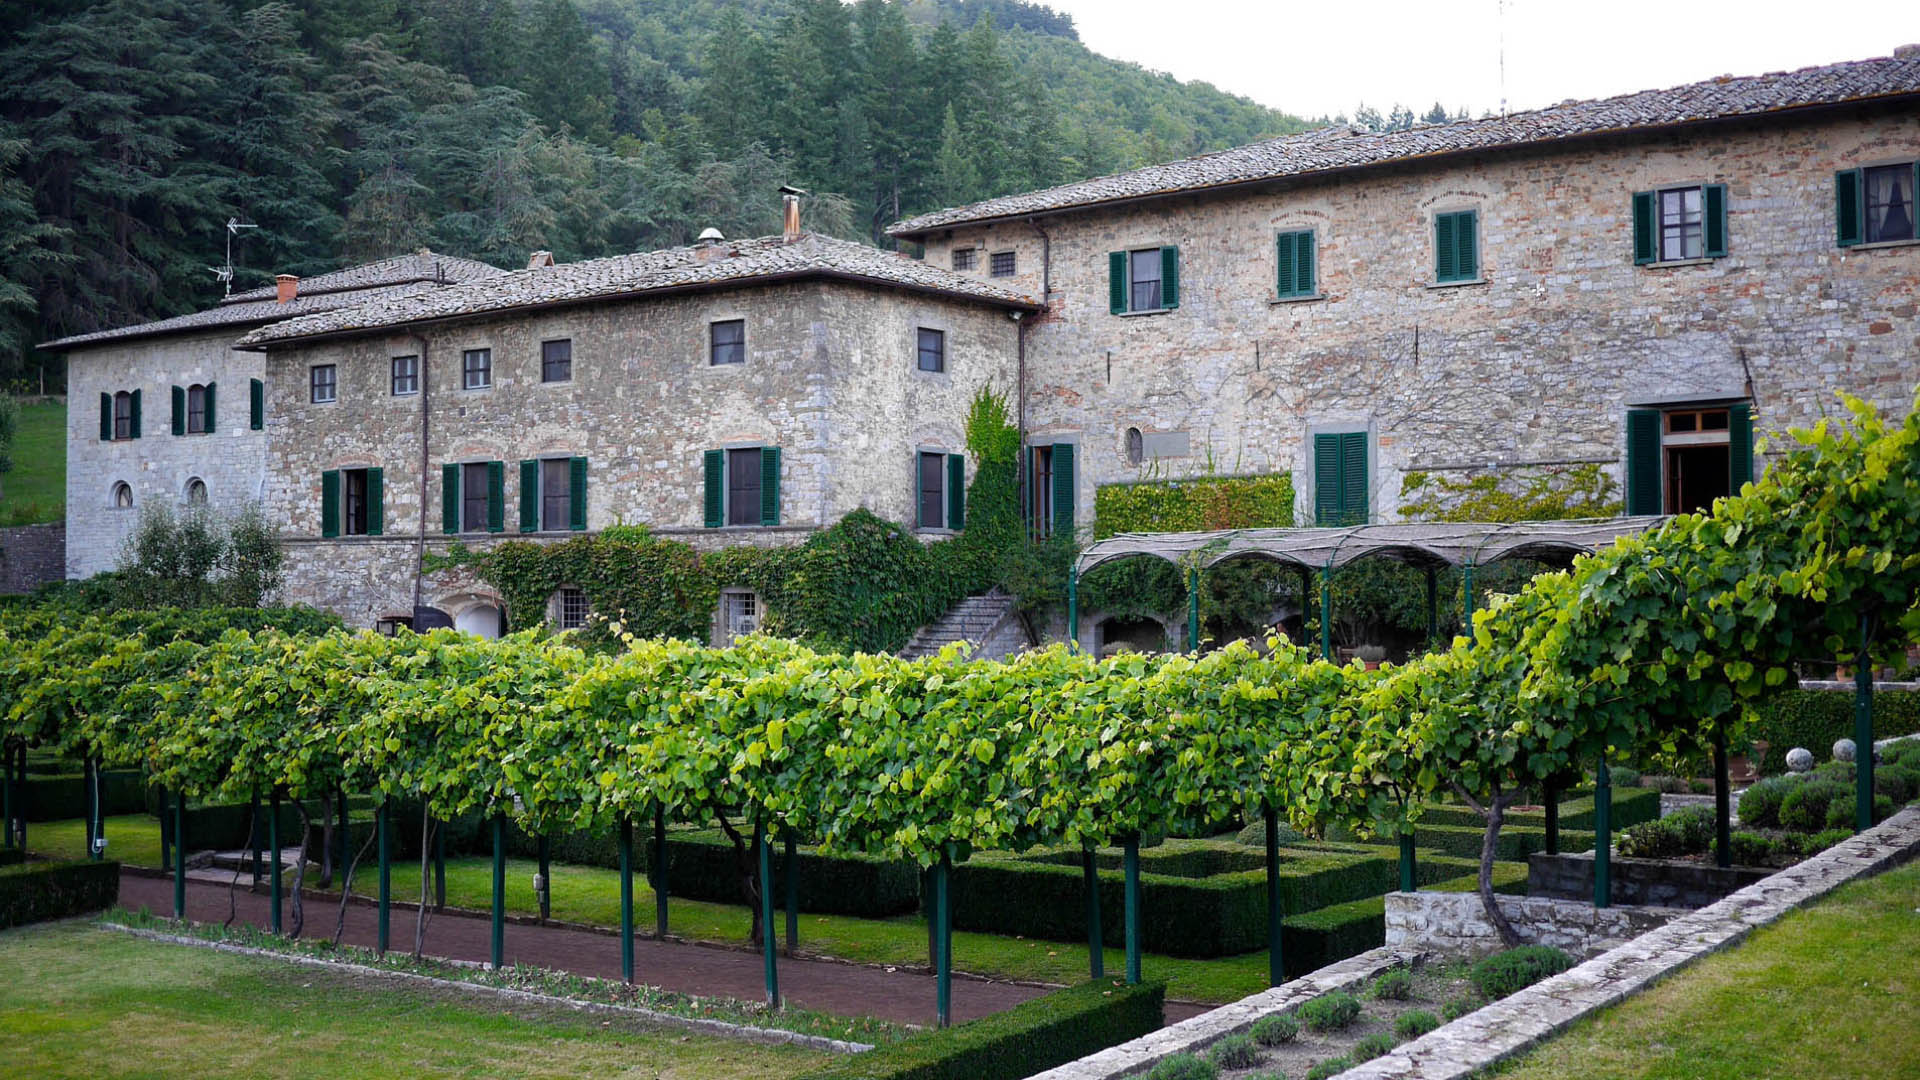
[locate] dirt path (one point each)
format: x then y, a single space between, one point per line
843 989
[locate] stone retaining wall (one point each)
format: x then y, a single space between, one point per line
32 556
1649 882
1457 922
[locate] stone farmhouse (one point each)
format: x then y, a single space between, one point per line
1652 284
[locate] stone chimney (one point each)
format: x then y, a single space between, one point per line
710 246
539 259
286 287
791 220
1907 52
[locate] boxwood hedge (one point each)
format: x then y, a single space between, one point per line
38 891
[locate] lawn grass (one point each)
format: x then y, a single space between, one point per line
133 839
82 1002
1831 992
36 489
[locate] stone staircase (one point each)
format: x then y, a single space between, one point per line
987 618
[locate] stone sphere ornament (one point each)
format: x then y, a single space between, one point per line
1800 759
1843 750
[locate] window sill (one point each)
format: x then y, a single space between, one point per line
1144 314
1671 263
1880 244
474 389
1458 284
1308 299
927 530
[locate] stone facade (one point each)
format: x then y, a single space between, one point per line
32 556
1535 362
831 378
159 465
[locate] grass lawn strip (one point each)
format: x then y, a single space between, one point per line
1829 991
83 1004
36 489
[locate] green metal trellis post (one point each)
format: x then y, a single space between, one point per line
180 856
626 900
1193 610
1409 876
273 841
1276 969
498 941
1466 596
1602 836
1433 609
1551 793
659 879
767 950
1863 731
790 878
1722 802
1096 942
1133 909
1073 606
386 875
943 938
1326 612
545 856
439 865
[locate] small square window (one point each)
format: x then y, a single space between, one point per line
739 615
1680 224
965 258
321 384
570 609
406 375
476 369
1143 275
728 342
933 350
1001 264
556 361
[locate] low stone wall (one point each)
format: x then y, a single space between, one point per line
1457 922
1646 882
32 556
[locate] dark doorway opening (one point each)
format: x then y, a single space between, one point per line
1697 475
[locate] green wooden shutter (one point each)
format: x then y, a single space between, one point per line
1643 462
769 485
1304 282
1326 480
529 496
106 417
1287 280
1117 282
1443 254
1063 489
496 496
919 493
1646 229
715 467
1467 244
1739 445
179 410
1169 278
256 404
577 494
209 408
1713 217
449 499
1847 223
330 503
376 502
133 428
956 491
1353 478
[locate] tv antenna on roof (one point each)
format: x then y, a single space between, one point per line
225 273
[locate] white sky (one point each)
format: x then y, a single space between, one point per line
1312 59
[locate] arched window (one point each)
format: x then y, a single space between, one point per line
196 492
196 409
1136 446
568 609
122 496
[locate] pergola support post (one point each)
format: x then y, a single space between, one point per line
1096 942
1133 909
1409 875
1466 595
768 952
1276 968
1073 607
274 870
1863 730
1326 612
943 938
498 938
386 875
626 900
1193 610
543 877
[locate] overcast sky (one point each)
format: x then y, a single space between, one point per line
1324 58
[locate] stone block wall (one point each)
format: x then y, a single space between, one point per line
1653 882
1457 923
32 556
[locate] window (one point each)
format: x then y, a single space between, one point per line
1050 488
1294 259
350 502
1680 224
1456 244
1679 460
1143 278
556 361
123 415
406 375
1146 279
1001 264
727 342
965 258
353 485
570 609
739 616
933 350
556 488
473 497
1136 446
197 410
1889 203
196 492
321 387
1340 479
391 625
122 496
476 369
743 487
932 508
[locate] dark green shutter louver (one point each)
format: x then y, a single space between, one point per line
1713 218
1353 478
1169 278
529 496
330 503
577 494
715 468
179 410
1304 281
1326 480
133 426
1117 282
376 502
1467 244
1443 255
450 499
956 491
1739 445
1063 489
256 404
209 408
1295 262
1643 462
106 417
769 485
496 496
1287 279
1847 223
1645 229
919 492
1340 479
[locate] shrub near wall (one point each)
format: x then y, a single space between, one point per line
36 892
1194 505
1028 1038
1816 719
57 797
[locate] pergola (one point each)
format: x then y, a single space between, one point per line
1429 545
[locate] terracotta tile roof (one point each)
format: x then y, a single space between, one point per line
1331 149
386 279
623 276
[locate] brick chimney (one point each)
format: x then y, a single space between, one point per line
286 287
